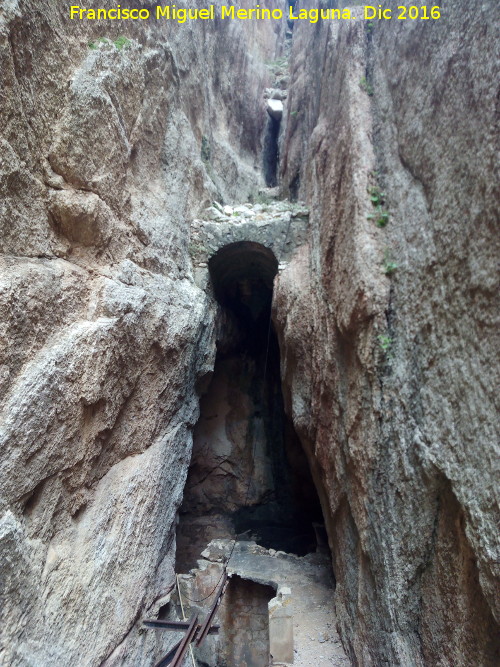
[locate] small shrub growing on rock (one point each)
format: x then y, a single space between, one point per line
389 265
385 342
366 86
101 40
377 198
121 42
380 216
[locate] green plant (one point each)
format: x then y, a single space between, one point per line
293 113
385 342
101 40
380 216
205 149
389 267
121 42
366 86
377 198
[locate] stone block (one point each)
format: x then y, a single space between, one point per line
281 626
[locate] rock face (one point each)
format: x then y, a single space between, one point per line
108 147
387 369
113 138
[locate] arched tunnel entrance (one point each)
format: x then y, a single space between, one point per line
249 477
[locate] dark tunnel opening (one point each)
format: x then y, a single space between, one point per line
242 278
249 477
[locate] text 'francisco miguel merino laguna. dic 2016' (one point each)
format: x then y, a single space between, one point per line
183 14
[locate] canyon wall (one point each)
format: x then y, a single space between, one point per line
387 320
112 140
113 137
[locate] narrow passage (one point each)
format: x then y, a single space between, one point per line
249 481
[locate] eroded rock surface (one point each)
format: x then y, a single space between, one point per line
109 147
387 332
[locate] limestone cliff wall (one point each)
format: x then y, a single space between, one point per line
388 371
108 148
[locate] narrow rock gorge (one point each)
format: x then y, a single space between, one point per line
248 321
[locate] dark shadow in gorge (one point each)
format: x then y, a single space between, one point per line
249 476
270 153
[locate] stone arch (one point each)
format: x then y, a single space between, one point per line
279 228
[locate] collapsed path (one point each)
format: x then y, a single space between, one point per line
253 571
